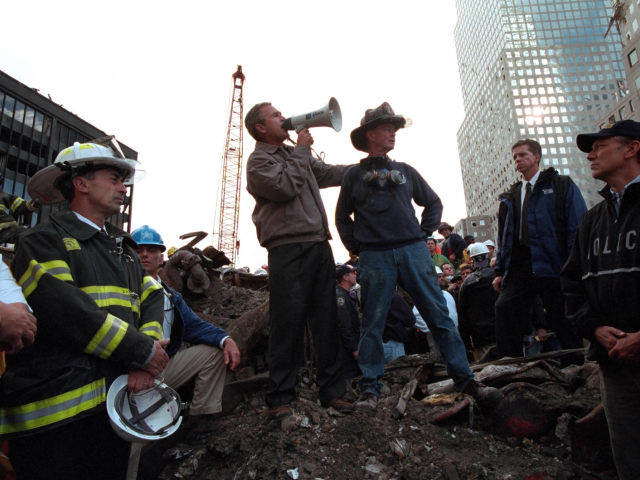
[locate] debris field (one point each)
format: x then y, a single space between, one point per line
550 424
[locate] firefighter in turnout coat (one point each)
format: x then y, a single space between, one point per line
99 317
12 207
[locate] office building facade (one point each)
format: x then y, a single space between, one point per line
626 108
33 130
535 69
478 227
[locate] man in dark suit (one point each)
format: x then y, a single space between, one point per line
536 230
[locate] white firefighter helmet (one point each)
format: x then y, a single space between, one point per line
150 414
476 249
44 185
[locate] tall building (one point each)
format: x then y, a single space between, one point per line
535 69
33 130
626 15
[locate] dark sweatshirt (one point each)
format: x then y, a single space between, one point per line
384 217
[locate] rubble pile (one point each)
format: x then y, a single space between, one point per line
550 424
532 434
228 302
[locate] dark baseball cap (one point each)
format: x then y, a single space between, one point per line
343 270
624 128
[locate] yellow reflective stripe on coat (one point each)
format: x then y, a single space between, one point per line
107 338
108 295
5 225
52 410
153 329
149 285
16 203
56 268
3 208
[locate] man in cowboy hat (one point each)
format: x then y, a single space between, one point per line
391 246
453 245
99 316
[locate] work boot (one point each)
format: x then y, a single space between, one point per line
367 403
279 412
483 395
339 405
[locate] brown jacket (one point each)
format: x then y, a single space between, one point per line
285 183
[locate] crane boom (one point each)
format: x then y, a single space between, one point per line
232 173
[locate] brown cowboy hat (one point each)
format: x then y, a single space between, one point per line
374 117
444 226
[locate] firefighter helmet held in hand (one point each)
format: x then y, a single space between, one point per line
150 414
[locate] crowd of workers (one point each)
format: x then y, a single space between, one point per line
99 367
559 276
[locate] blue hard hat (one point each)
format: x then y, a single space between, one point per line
145 235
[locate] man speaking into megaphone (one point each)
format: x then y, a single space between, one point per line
292 225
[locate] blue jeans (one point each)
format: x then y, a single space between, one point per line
412 268
392 350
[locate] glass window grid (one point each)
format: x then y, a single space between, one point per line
607 58
29 141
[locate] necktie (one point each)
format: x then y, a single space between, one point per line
524 227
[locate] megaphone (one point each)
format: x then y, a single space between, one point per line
327 116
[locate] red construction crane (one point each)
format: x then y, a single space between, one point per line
232 174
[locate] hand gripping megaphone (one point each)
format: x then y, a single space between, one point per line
327 116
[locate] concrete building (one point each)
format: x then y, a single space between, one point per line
535 69
479 227
628 102
33 130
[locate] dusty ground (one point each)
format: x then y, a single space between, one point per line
317 443
321 444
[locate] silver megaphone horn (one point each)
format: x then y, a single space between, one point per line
327 116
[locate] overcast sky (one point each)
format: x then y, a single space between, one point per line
158 76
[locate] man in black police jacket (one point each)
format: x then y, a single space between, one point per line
348 319
601 281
